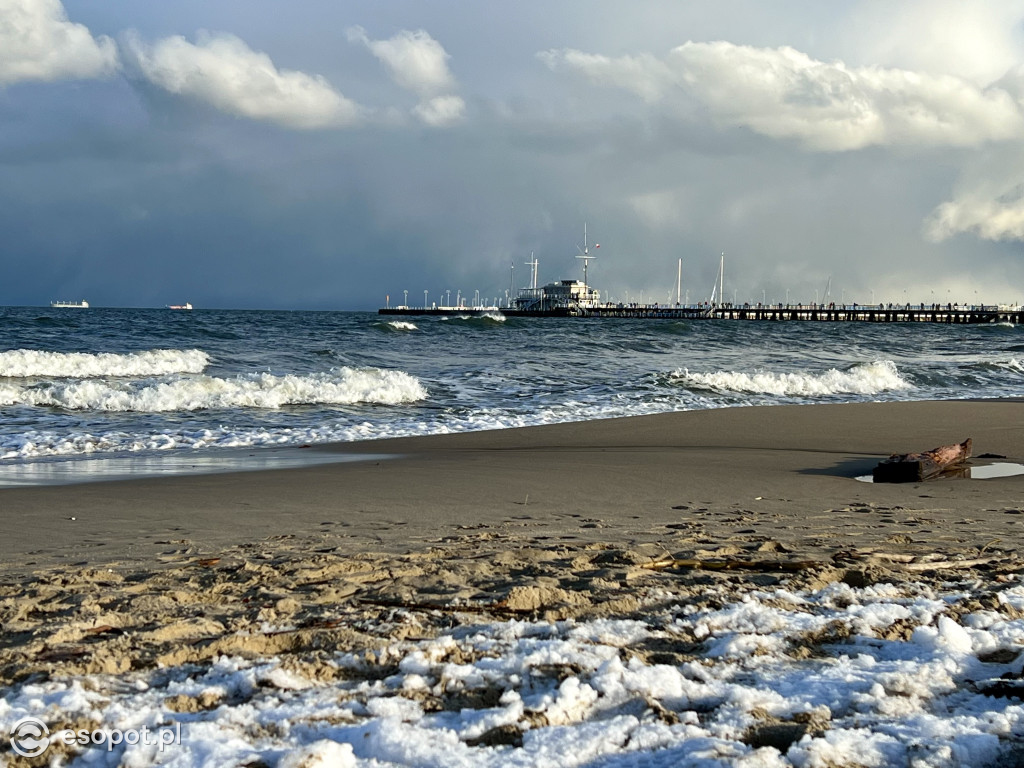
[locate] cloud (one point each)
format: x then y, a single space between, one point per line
785 94
990 207
440 110
977 41
418 63
38 42
415 60
1000 219
224 72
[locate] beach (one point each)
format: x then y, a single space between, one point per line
319 576
785 470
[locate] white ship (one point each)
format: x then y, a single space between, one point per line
186 305
83 304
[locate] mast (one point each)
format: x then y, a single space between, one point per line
679 280
584 253
533 273
721 279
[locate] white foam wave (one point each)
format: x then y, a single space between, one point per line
862 379
342 386
496 317
403 325
27 363
1013 364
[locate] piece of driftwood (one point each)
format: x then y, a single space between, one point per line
912 467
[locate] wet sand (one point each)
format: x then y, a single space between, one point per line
783 471
589 519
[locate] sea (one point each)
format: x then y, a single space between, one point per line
104 384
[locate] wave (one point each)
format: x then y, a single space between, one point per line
1013 364
398 325
29 363
861 379
342 386
482 317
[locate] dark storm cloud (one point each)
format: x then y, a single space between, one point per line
230 155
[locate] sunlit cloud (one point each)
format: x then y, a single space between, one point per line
221 70
418 63
825 106
39 42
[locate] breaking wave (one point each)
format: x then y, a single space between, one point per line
342 386
480 317
402 325
861 379
1013 364
28 363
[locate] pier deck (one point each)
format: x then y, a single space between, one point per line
927 313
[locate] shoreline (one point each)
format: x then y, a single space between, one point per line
780 469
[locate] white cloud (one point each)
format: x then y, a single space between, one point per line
981 209
978 40
989 219
415 60
440 110
418 63
785 94
223 71
38 42
987 200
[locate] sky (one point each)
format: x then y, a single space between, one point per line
325 155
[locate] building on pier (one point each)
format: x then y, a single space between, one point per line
567 296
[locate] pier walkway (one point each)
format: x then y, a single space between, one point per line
872 313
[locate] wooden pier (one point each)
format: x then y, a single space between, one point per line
828 313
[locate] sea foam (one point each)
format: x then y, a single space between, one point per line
861 379
486 317
27 363
342 386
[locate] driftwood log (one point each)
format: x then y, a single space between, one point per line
911 467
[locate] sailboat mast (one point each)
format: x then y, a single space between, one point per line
721 279
679 280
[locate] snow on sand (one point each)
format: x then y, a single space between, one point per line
915 672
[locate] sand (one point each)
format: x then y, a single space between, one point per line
574 520
781 471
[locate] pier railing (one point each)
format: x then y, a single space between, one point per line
868 313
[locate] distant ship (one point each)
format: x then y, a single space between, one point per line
83 304
186 305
